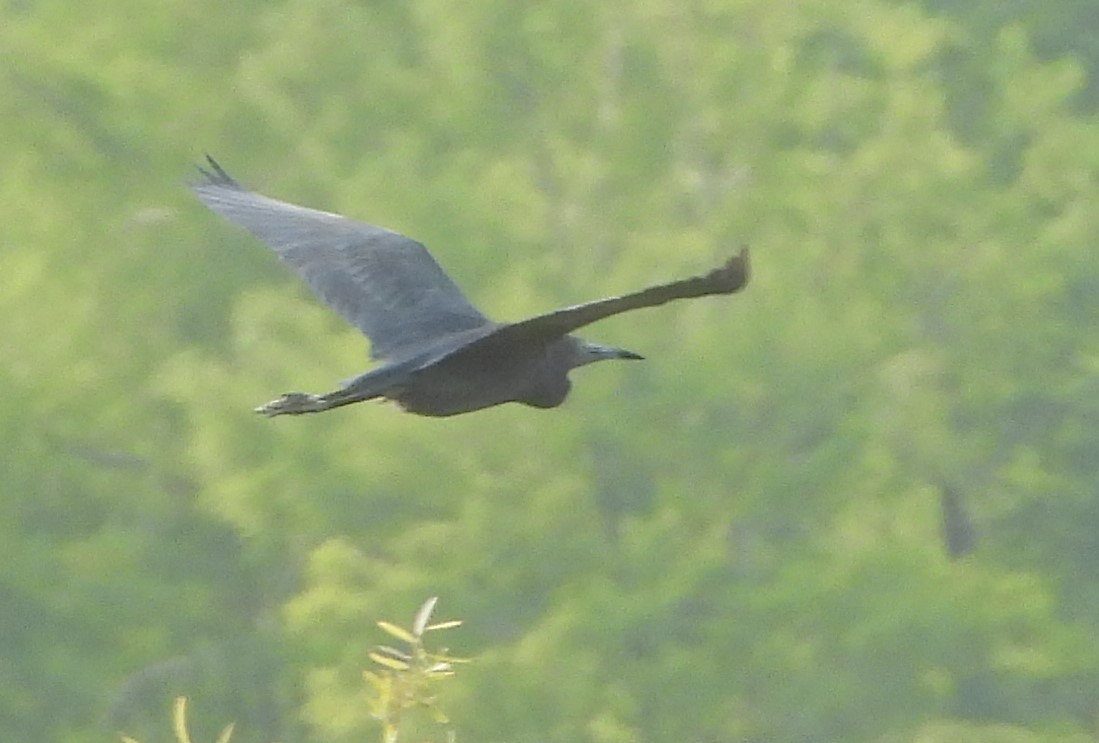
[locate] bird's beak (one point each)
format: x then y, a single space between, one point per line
599 353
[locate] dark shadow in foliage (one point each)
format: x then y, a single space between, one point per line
233 680
959 535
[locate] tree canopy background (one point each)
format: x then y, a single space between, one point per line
856 502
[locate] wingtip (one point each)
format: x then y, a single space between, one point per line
745 259
214 175
215 166
736 272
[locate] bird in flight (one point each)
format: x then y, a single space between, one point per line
440 355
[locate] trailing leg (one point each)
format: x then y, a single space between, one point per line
298 403
372 384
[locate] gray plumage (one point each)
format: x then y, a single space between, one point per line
441 355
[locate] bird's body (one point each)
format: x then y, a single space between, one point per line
528 374
442 356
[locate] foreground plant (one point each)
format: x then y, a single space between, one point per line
408 678
405 683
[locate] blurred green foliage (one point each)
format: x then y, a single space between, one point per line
742 539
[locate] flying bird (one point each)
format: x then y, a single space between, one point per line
441 355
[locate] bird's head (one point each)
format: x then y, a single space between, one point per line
588 353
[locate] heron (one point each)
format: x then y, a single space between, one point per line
440 355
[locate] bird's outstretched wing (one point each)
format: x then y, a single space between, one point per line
383 283
729 278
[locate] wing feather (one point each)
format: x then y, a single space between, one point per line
727 279
385 284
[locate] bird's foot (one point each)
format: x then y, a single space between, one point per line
293 403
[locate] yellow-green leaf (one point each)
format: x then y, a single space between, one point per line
382 685
384 660
443 625
179 720
398 632
226 734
